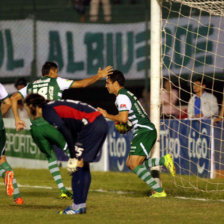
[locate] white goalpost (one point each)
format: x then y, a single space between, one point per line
155 67
187 44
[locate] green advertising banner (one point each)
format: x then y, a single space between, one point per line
193 44
20 144
16 48
21 151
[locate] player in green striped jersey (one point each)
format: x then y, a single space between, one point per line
50 86
5 169
130 109
46 136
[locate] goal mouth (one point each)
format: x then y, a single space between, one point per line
192 52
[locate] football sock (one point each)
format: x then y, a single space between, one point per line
78 206
16 193
87 181
146 176
2 171
6 167
77 185
81 180
154 162
55 172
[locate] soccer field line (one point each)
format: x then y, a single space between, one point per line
115 192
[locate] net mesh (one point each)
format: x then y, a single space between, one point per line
212 7
192 59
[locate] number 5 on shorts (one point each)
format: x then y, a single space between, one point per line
78 151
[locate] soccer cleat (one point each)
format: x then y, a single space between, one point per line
159 194
19 201
9 182
66 195
70 211
169 164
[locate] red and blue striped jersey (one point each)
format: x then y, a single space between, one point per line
70 117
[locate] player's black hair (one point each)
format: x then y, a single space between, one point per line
48 65
34 100
20 81
117 76
202 80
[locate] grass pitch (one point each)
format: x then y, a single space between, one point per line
113 198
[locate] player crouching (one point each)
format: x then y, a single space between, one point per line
84 129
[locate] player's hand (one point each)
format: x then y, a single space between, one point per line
72 165
20 125
105 72
102 111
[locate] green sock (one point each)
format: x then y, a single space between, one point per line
143 173
55 172
2 172
6 167
154 162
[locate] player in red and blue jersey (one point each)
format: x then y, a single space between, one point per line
50 86
85 130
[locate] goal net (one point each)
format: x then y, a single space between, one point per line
193 61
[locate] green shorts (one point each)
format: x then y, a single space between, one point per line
143 142
2 142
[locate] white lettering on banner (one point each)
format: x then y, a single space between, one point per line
169 145
198 149
21 143
117 148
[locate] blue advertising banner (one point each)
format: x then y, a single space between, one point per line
219 146
189 141
195 145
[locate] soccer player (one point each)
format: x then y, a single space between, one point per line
144 131
85 131
5 169
20 83
50 86
46 137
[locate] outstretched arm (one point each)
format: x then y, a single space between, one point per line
89 81
120 117
18 122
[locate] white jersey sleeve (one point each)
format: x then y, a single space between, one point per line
64 83
3 92
123 103
23 91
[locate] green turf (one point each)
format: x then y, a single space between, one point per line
124 199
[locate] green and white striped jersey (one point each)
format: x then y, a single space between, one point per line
49 88
3 95
127 101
